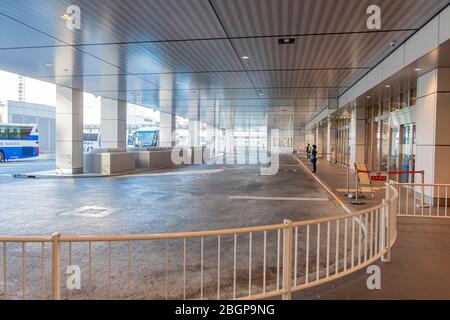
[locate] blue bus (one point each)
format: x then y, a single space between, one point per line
18 141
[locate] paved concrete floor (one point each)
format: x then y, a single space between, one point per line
198 198
24 166
420 259
185 199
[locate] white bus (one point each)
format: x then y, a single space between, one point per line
91 141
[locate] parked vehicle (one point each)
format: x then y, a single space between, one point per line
91 141
18 141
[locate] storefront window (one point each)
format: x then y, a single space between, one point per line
376 110
412 96
342 144
375 145
385 106
395 146
393 104
369 112
369 144
384 159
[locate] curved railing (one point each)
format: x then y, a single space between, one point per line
246 263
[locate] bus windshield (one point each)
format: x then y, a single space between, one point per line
147 138
90 136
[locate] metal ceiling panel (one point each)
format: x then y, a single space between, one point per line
131 50
103 83
14 34
324 52
301 103
64 61
300 93
251 18
205 80
112 21
211 94
184 56
305 78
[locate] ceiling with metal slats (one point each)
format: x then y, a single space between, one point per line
144 50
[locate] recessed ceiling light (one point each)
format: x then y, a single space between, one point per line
417 69
66 17
245 57
286 40
368 97
388 86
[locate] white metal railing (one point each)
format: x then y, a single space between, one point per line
247 263
423 200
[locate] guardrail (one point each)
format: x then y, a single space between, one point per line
247 263
423 200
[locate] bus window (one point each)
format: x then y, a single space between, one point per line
25 132
14 133
3 133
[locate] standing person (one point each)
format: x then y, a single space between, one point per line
308 151
314 158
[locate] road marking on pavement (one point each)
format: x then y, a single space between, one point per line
341 203
174 173
277 198
354 190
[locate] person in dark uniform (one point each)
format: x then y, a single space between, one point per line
314 158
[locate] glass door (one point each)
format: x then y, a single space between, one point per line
385 144
395 148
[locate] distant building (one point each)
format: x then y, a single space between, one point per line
21 88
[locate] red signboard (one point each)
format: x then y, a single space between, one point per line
378 177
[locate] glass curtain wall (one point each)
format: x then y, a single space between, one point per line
342 141
390 145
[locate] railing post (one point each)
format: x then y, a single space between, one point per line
56 266
422 181
388 214
382 239
385 235
287 260
348 181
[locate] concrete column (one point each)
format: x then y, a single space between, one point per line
433 130
229 132
357 137
217 129
194 122
113 124
167 108
69 131
210 120
309 137
317 135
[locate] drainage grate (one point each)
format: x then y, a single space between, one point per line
90 212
